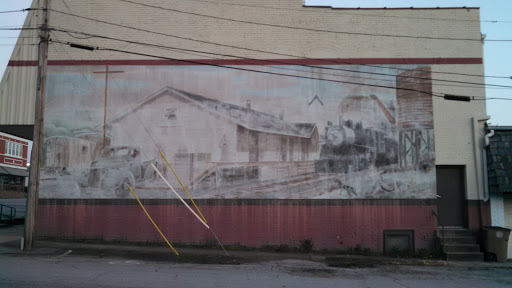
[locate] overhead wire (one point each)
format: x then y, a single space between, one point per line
439 95
156 146
14 11
123 94
281 62
20 37
75 92
108 108
198 62
246 48
306 9
502 86
22 28
20 44
304 28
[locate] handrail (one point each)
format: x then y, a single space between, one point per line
11 215
442 226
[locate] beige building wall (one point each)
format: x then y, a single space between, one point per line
458 125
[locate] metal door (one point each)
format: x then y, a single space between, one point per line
451 208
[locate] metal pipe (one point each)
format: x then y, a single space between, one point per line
484 155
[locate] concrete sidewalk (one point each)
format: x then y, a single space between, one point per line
10 239
11 234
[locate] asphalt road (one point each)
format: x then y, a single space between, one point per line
68 270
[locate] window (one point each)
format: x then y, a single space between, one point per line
170 114
13 149
171 117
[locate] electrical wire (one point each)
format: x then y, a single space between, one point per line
316 11
21 37
108 109
157 148
249 49
278 62
23 44
304 28
14 11
22 28
270 73
197 62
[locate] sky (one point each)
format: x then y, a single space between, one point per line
497 56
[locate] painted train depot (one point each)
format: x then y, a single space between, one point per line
343 149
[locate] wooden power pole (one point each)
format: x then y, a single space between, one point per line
35 161
105 107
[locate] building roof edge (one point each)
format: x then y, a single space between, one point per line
387 8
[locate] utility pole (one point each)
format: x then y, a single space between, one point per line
35 165
105 107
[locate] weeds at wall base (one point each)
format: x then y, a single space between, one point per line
306 246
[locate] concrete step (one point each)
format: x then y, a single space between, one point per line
465 256
461 248
458 240
450 232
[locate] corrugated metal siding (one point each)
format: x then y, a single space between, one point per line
18 86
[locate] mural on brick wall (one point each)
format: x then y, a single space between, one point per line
239 134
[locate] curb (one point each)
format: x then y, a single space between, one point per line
217 256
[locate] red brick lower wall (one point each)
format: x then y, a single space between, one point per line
479 214
330 223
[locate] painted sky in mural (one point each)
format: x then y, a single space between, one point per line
239 134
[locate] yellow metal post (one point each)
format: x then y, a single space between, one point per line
197 208
152 220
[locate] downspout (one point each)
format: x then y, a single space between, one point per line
476 150
486 181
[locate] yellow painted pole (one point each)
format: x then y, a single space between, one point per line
179 197
152 220
197 208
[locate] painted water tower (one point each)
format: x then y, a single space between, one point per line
415 119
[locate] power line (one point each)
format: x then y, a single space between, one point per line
14 11
284 63
304 28
23 44
305 7
251 49
21 37
492 98
109 110
197 62
202 53
273 73
22 28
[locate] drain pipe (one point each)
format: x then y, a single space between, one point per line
484 153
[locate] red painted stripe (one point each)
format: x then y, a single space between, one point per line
325 61
22 63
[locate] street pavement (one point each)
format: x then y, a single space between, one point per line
85 271
72 264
